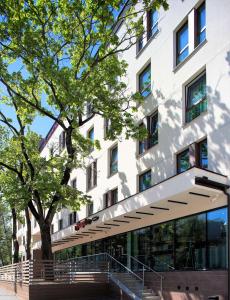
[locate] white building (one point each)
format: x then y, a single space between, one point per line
163 201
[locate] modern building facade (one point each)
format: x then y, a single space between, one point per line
163 200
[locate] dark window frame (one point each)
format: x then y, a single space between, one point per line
109 197
139 180
197 25
91 176
62 141
203 101
178 53
150 26
111 162
141 91
177 160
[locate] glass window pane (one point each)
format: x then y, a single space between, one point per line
201 24
203 149
154 130
113 160
145 82
183 161
153 22
191 243
217 238
162 247
145 181
197 91
182 43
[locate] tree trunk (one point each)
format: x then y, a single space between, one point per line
46 247
28 234
14 236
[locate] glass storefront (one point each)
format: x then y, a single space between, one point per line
197 242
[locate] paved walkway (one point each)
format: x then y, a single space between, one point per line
6 295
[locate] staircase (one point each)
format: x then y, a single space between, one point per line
131 283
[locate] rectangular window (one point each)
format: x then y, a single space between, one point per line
91 174
196 97
182 43
62 141
152 23
142 144
89 109
60 224
152 128
73 183
200 24
145 81
114 160
203 154
140 41
183 162
89 209
91 137
145 181
107 126
111 198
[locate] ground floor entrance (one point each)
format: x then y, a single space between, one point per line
196 242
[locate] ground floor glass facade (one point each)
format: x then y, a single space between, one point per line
196 242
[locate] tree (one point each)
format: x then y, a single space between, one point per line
67 56
5 235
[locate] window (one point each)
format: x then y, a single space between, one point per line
201 24
140 41
89 109
107 126
152 23
62 141
52 228
73 183
182 43
60 224
217 223
72 218
145 181
183 162
91 138
196 98
89 209
145 82
111 197
114 160
91 174
191 243
203 154
152 127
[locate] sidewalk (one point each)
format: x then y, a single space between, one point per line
6 295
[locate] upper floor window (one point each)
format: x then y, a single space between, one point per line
153 129
89 109
152 139
183 162
91 137
72 218
62 141
152 23
73 183
107 126
91 174
182 48
201 24
203 154
60 224
196 98
145 181
89 209
114 160
145 81
111 198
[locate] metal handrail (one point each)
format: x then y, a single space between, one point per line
108 255
162 262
